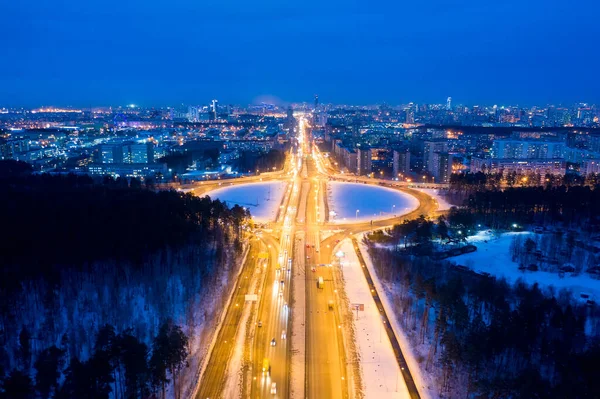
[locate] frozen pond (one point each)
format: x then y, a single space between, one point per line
262 199
371 202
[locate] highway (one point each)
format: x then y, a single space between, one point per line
212 383
325 355
294 246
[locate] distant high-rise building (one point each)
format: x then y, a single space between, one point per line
140 153
430 147
316 101
10 148
213 109
410 116
449 104
527 149
441 167
193 114
126 153
364 163
401 162
110 153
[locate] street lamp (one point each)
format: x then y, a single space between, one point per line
393 206
357 213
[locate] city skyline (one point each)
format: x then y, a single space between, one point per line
309 103
83 53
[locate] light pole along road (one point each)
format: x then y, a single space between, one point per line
325 356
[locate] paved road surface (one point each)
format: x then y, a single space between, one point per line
213 380
325 356
326 364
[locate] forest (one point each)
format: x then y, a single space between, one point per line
480 337
95 275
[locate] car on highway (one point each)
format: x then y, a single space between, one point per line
283 335
313 269
273 388
273 342
260 323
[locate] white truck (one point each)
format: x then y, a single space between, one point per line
320 282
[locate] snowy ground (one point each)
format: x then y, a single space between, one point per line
423 380
493 256
262 199
372 202
297 372
380 370
234 377
443 205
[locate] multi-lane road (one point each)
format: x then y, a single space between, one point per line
294 246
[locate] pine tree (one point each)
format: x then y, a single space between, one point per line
18 385
48 365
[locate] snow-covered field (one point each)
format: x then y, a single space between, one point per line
262 199
443 205
381 373
493 256
372 202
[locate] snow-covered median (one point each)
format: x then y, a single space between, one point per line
423 381
381 374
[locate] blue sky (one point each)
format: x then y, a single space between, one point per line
67 52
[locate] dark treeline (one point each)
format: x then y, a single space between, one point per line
79 253
487 339
471 182
463 185
67 221
575 205
121 366
251 161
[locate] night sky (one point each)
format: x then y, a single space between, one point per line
88 52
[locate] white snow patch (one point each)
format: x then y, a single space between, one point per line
371 202
262 199
381 374
493 256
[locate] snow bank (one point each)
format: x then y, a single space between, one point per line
372 202
381 374
262 199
